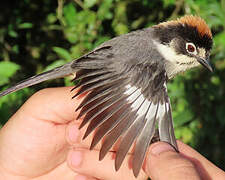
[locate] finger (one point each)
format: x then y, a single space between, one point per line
52 104
62 171
86 162
74 137
163 162
206 169
83 177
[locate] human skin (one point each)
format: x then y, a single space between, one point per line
41 141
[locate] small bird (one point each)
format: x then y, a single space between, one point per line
125 80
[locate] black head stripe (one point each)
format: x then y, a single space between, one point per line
187 32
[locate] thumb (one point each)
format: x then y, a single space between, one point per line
163 162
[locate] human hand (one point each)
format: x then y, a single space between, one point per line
33 143
42 139
162 162
42 136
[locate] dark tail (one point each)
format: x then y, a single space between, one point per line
52 74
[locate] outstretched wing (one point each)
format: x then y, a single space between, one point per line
125 105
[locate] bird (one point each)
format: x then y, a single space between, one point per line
125 82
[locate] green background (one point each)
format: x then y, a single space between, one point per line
36 36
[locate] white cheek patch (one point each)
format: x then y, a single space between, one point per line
175 63
170 55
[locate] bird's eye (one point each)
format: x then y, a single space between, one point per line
190 47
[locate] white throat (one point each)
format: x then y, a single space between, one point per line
175 63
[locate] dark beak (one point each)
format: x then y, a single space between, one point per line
205 63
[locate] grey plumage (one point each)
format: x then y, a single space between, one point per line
126 78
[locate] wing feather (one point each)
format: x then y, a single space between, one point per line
124 105
108 107
122 126
166 131
144 139
103 116
101 91
132 133
115 133
84 73
93 104
108 125
97 84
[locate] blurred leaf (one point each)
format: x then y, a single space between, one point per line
9 104
63 53
121 29
219 39
54 65
89 3
168 2
184 133
215 80
15 49
7 70
4 80
13 33
51 18
70 14
25 25
71 35
101 40
68 81
182 118
104 10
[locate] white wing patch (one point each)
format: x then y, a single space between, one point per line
152 111
138 100
142 111
161 111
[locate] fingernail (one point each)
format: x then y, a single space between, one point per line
80 177
76 158
161 147
73 133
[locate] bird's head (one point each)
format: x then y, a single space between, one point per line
184 43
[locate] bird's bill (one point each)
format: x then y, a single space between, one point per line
205 63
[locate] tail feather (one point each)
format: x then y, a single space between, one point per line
58 72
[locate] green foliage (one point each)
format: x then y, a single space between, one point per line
39 35
9 104
7 70
63 53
